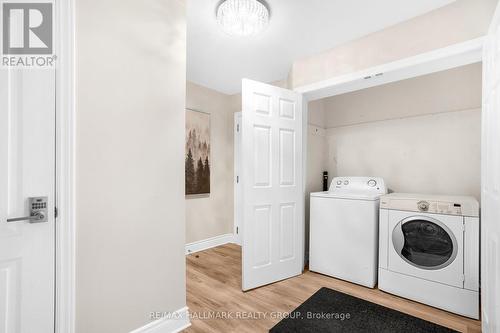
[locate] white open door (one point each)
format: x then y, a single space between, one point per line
272 183
490 183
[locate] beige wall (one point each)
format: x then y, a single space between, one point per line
452 90
421 135
212 215
458 22
130 162
317 155
316 113
435 154
317 162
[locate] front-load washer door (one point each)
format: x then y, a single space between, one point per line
427 246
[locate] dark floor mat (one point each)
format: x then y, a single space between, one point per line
331 311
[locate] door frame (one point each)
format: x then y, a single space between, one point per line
453 56
490 260
437 60
64 26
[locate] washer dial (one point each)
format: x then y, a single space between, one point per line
423 206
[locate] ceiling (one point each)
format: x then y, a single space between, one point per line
297 28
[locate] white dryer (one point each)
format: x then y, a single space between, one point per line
429 250
343 238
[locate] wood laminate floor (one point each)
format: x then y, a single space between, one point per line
214 291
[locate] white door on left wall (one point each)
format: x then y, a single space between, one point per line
27 170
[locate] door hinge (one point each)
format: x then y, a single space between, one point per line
237 127
56 212
237 179
237 230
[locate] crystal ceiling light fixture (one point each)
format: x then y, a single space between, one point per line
242 17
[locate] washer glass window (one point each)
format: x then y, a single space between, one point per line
425 243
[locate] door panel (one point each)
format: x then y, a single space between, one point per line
272 184
262 156
262 243
490 180
27 169
287 232
287 157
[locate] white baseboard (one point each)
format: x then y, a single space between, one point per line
175 322
209 243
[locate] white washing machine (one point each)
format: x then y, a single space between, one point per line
429 250
343 238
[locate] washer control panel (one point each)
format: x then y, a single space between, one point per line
424 206
448 208
432 204
439 207
366 184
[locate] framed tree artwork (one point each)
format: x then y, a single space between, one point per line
197 161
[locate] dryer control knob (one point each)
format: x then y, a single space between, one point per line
423 206
372 183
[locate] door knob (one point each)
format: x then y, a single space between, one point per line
38 211
38 217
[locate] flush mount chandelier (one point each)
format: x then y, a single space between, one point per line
242 17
